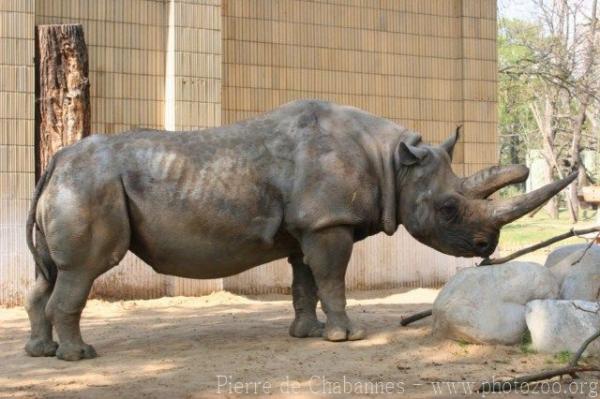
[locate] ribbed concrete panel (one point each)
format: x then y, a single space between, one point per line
193 287
193 65
132 279
16 146
192 88
273 277
378 262
399 261
185 64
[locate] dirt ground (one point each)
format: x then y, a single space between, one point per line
223 345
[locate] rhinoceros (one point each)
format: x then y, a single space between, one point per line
304 181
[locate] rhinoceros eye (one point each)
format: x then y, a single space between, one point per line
448 210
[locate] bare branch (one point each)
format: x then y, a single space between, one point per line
572 369
415 317
587 248
550 241
508 385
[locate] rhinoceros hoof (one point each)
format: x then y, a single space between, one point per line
348 332
303 327
75 352
40 347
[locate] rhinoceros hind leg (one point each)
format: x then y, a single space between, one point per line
64 309
40 343
87 231
327 252
38 347
304 293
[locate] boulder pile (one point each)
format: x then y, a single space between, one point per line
563 325
558 303
486 305
577 269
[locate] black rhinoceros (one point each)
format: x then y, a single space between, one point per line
304 181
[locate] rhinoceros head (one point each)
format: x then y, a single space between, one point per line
455 215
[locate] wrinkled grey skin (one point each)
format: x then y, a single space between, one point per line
304 181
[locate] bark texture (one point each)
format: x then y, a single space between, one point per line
62 89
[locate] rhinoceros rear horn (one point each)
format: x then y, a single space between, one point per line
487 181
505 211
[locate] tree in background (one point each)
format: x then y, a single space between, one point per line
517 127
548 88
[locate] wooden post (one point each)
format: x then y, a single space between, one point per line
62 110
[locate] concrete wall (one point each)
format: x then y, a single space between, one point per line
428 65
17 19
187 64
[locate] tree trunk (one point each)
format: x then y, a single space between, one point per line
576 159
584 99
62 90
548 134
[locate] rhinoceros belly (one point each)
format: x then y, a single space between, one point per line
201 256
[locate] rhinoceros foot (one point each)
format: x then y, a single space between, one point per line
303 327
69 351
340 328
37 347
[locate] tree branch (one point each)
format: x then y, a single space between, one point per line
508 385
521 252
417 316
572 369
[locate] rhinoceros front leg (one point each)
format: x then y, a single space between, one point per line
327 252
304 293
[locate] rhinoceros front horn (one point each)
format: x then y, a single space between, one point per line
487 181
507 210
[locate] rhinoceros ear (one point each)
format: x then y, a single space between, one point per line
448 145
409 154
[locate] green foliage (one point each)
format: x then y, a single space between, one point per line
563 357
525 344
510 191
515 91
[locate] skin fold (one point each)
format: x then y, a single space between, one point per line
304 182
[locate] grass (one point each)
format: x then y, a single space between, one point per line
526 346
563 357
531 230
464 347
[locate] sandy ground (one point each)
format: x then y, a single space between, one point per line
224 345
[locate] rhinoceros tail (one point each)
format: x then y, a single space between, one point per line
41 266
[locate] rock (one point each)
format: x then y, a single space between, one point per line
487 304
563 325
580 280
